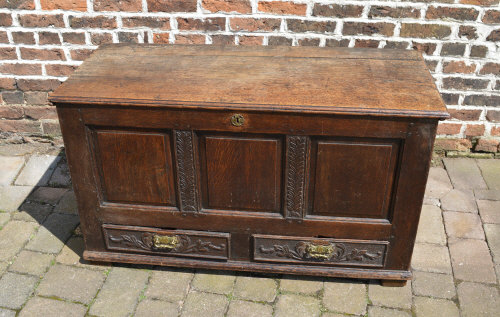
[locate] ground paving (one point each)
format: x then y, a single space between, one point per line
456 263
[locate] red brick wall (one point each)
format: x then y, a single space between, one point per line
43 41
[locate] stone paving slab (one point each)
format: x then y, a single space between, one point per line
430 226
489 211
464 173
39 306
345 297
38 170
471 261
478 300
292 305
238 308
9 168
490 169
15 289
438 183
12 197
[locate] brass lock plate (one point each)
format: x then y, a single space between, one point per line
165 242
237 120
319 251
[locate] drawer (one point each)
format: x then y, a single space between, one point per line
322 251
184 243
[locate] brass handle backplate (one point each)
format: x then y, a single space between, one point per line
165 242
237 120
318 251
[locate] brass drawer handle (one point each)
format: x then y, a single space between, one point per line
318 251
165 242
237 120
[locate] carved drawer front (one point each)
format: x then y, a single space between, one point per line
320 251
185 243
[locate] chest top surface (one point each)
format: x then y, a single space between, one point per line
291 79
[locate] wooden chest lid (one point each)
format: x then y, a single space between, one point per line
293 79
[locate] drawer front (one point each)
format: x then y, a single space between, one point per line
268 248
185 243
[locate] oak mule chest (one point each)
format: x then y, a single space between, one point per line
271 159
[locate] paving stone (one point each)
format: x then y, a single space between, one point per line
7 313
9 167
478 300
15 289
438 183
255 288
374 311
291 305
430 226
333 315
431 258
3 267
38 170
13 236
433 284
11 197
120 292
67 204
471 261
71 283
39 306
432 201
435 307
463 225
238 308
61 176
345 297
395 297
33 263
489 211
34 212
497 269
200 304
53 233
304 285
72 252
169 284
459 200
487 194
493 239
491 172
220 283
4 218
47 195
155 308
464 173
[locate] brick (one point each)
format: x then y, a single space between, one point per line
478 299
33 263
425 30
59 70
8 53
214 283
464 83
38 84
366 43
427 48
395 297
487 145
48 38
96 22
296 25
101 38
472 261
291 305
51 127
452 144
255 288
338 11
23 126
491 17
374 311
83 54
460 199
431 258
453 49
3 37
478 51
459 67
430 227
491 173
294 284
39 306
7 83
460 14
199 304
279 7
465 115
41 21
190 39
433 284
239 6
123 37
474 130
118 5
349 298
155 308
23 37
14 235
9 166
393 12
490 68
279 41
169 284
480 2
397 45
434 307
208 24
494 36
10 112
171 5
337 43
74 37
37 98
21 69
463 225
450 99
42 54
13 97
222 39
493 115
497 86
18 4
449 128
431 64
250 40
239 308
161 38
252 25
161 23
495 131
74 5
19 287
5 19
482 100
353 28
467 32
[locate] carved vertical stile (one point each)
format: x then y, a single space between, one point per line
186 172
296 157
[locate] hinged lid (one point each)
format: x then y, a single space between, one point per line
292 79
